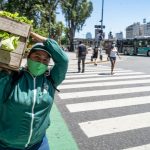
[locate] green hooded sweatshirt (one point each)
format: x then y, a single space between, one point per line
25 108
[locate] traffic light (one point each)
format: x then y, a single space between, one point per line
100 31
100 37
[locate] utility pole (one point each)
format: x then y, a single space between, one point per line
102 14
102 26
99 28
101 32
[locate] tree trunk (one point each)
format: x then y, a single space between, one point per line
72 34
71 43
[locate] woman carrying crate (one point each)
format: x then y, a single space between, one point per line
26 97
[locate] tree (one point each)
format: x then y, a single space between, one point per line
42 12
2 2
76 12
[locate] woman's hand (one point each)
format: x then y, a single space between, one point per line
37 38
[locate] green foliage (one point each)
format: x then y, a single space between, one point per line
43 14
4 35
64 40
76 13
42 31
16 17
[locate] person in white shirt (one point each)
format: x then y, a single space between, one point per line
113 54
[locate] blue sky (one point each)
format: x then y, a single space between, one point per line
117 15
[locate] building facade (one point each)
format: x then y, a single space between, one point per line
138 30
119 36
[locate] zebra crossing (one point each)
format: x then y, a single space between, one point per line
97 91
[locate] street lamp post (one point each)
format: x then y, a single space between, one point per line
101 34
102 14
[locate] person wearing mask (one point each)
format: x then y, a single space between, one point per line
113 54
95 55
27 96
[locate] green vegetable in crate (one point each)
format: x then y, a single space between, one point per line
10 44
4 35
16 16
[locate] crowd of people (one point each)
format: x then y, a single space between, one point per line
97 54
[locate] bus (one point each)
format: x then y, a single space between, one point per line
136 46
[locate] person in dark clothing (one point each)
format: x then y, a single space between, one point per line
95 55
81 54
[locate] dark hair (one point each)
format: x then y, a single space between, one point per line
80 42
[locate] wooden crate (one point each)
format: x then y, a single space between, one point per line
12 60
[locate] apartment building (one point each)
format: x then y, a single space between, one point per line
138 30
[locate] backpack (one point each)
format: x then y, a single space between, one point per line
82 50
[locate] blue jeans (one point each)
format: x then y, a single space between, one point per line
43 145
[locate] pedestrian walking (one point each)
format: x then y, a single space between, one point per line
81 54
100 54
113 54
95 55
26 97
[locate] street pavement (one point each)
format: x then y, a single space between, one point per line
59 136
98 111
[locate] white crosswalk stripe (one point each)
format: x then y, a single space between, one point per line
114 125
108 104
102 71
106 78
104 92
143 147
81 86
80 75
104 84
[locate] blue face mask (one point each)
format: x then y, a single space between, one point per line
36 68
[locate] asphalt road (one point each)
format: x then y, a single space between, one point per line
108 112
